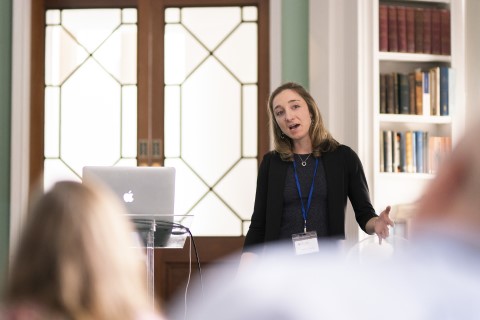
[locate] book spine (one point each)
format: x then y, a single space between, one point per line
436 32
433 92
396 151
427 30
383 93
396 95
409 151
414 152
418 75
403 159
410 17
388 151
383 27
445 31
419 30
390 93
439 148
451 90
419 151
437 91
382 152
444 91
432 145
426 93
392 29
402 29
403 94
412 90
425 152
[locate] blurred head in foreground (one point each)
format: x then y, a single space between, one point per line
452 200
76 259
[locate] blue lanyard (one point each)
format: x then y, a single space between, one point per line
305 211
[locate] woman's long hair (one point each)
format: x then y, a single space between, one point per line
322 140
76 259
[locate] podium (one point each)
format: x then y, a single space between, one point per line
157 231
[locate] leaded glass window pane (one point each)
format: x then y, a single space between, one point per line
91 90
211 114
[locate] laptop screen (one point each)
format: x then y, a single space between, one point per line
147 192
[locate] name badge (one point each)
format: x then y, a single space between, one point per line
305 242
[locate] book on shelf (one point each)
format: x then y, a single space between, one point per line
443 103
419 30
403 94
434 91
412 93
387 150
438 149
436 32
434 154
422 92
413 29
401 29
396 152
418 151
390 93
409 155
403 159
392 29
383 93
383 28
445 31
425 151
426 93
419 90
396 93
412 151
451 90
410 25
427 31
382 152
413 148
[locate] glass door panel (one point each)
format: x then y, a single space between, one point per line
211 114
91 90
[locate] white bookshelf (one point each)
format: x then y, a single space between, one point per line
407 118
404 188
412 57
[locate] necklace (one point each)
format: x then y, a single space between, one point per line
304 162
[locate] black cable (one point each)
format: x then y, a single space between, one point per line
198 259
187 230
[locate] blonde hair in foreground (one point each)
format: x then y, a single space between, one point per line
75 258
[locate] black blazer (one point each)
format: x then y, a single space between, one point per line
345 178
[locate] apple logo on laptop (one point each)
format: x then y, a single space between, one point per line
128 196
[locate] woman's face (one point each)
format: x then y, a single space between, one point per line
292 115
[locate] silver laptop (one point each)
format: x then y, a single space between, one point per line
147 192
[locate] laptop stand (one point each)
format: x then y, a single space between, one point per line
160 232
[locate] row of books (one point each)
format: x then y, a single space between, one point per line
414 29
421 92
412 151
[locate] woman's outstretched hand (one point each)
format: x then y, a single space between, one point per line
380 224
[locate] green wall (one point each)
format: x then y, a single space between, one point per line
5 111
295 41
